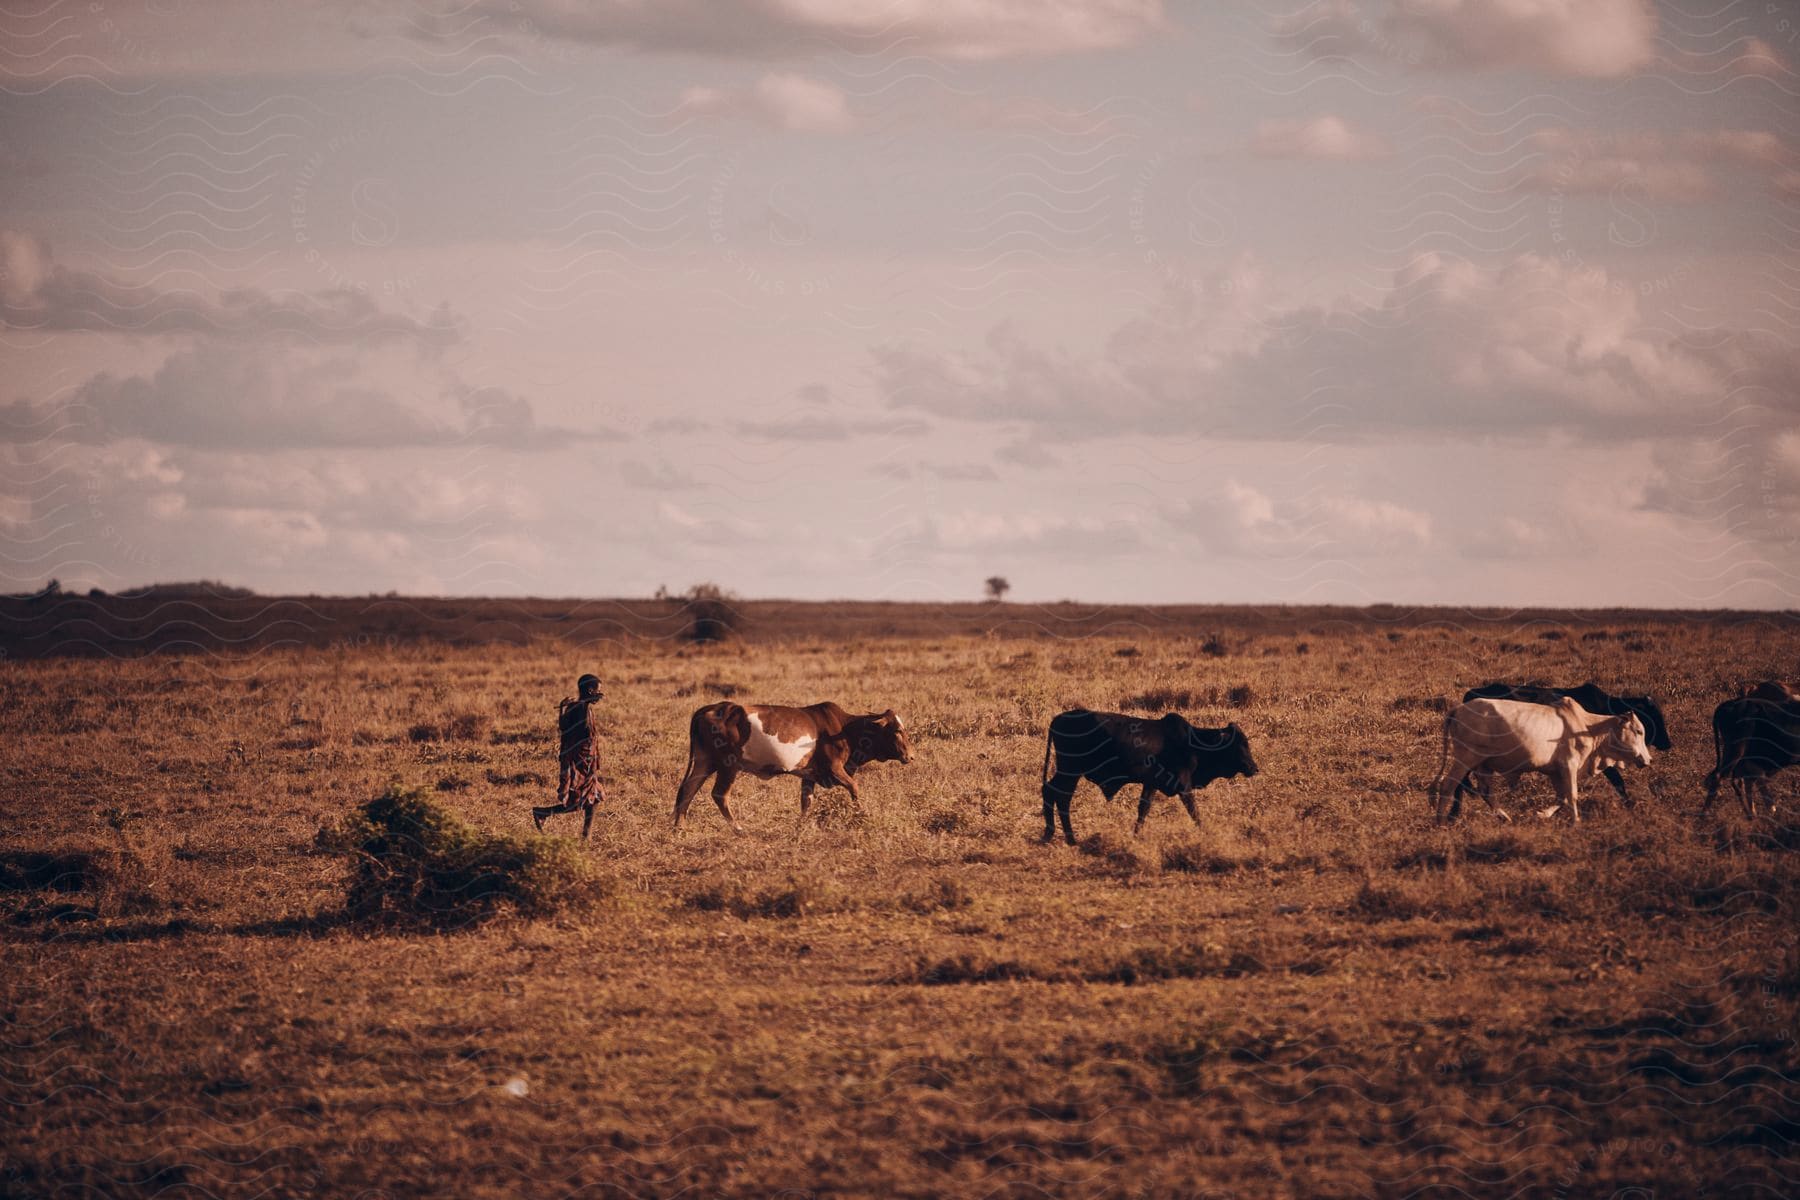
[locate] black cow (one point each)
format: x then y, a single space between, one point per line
1753 739
1772 689
1165 754
1596 700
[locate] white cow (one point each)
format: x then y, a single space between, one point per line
1510 737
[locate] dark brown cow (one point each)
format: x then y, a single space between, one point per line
821 743
1753 739
1165 754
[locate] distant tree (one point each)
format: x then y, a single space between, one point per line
49 591
997 587
662 592
713 613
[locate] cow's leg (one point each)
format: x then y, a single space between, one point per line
1445 793
1057 792
1484 786
720 786
806 791
1187 802
1144 801
1747 786
842 778
1712 790
1475 783
1616 777
690 787
1472 784
1566 792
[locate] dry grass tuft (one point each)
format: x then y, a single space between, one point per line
97 881
967 968
1439 895
462 727
945 894
1150 964
1198 859
1116 855
1163 699
799 896
946 821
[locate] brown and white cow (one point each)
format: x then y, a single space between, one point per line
1510 737
821 743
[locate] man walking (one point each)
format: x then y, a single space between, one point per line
578 780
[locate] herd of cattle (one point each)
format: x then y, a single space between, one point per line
1498 731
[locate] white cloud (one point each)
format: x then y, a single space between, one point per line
803 103
1511 537
780 100
1758 58
698 529
1237 518
1453 349
1556 37
1673 167
989 533
1746 479
1326 136
39 294
962 29
1749 57
1658 179
229 394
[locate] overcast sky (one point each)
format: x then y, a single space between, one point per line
1441 301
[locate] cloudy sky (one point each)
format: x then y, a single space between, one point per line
1455 301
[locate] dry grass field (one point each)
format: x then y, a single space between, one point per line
1317 994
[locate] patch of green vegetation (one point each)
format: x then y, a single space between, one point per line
416 864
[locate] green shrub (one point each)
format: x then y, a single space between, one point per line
416 864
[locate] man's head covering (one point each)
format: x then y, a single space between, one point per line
588 685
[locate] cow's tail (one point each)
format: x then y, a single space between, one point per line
1443 768
1049 745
